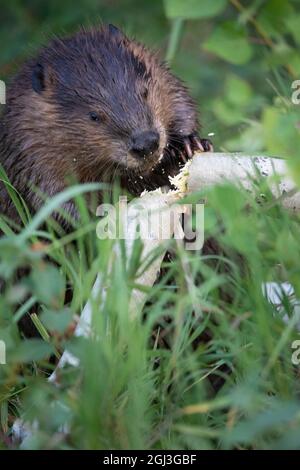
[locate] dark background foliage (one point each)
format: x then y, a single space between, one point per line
172 379
238 57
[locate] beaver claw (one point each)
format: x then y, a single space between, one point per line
207 145
193 143
185 147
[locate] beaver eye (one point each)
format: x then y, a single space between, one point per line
145 93
94 116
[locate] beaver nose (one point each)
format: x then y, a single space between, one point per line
144 143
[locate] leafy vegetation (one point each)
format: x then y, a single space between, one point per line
172 378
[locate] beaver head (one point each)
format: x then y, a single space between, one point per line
92 106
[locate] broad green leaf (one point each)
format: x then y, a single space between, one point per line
13 255
226 112
273 15
249 140
237 95
229 42
237 91
47 285
282 136
271 419
193 9
57 320
295 62
292 24
31 350
283 54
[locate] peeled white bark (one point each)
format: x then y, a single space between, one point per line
210 169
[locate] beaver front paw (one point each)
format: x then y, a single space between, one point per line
207 145
182 149
193 143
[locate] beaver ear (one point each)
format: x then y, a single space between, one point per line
41 78
38 78
115 32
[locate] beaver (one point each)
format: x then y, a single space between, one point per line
95 106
